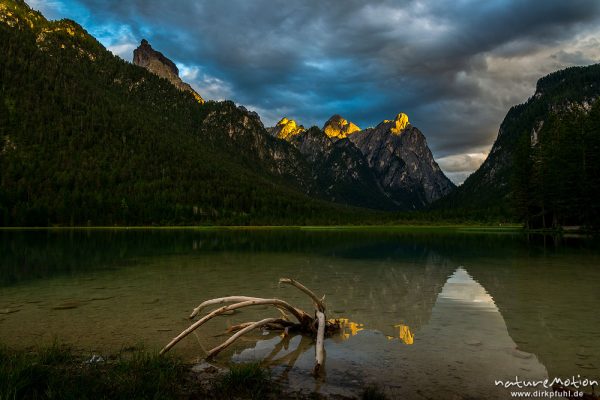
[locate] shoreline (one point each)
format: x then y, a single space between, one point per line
407 227
67 372
508 228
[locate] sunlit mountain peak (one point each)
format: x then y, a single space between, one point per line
288 128
400 123
339 127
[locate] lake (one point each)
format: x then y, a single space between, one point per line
426 313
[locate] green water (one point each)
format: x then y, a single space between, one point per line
427 313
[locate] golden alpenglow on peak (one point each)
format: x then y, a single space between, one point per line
287 129
339 127
401 122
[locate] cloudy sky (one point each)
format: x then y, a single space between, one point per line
455 67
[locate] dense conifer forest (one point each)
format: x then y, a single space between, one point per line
544 169
88 139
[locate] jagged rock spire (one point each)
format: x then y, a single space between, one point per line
157 63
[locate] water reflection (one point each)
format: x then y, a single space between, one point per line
348 328
465 340
404 334
515 308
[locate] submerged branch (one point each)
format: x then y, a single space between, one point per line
248 328
320 346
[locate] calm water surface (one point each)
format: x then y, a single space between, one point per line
427 314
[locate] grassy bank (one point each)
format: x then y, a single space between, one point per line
466 227
59 372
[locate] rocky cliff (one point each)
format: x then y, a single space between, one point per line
391 164
341 172
403 163
156 62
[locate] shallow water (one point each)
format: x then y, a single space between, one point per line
428 314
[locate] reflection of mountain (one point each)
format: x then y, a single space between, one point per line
26 255
381 279
458 353
546 306
388 294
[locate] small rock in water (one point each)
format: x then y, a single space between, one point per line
205 367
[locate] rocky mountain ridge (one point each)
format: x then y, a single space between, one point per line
89 139
337 166
286 129
339 127
157 63
402 173
402 161
172 160
341 171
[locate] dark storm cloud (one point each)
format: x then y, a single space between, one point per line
454 67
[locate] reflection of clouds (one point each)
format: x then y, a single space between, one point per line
460 287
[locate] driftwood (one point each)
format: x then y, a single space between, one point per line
320 346
317 327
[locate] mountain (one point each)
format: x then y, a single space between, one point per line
341 171
86 138
544 167
89 139
338 127
286 129
337 169
389 167
155 62
400 158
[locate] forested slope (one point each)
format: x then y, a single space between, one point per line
86 138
